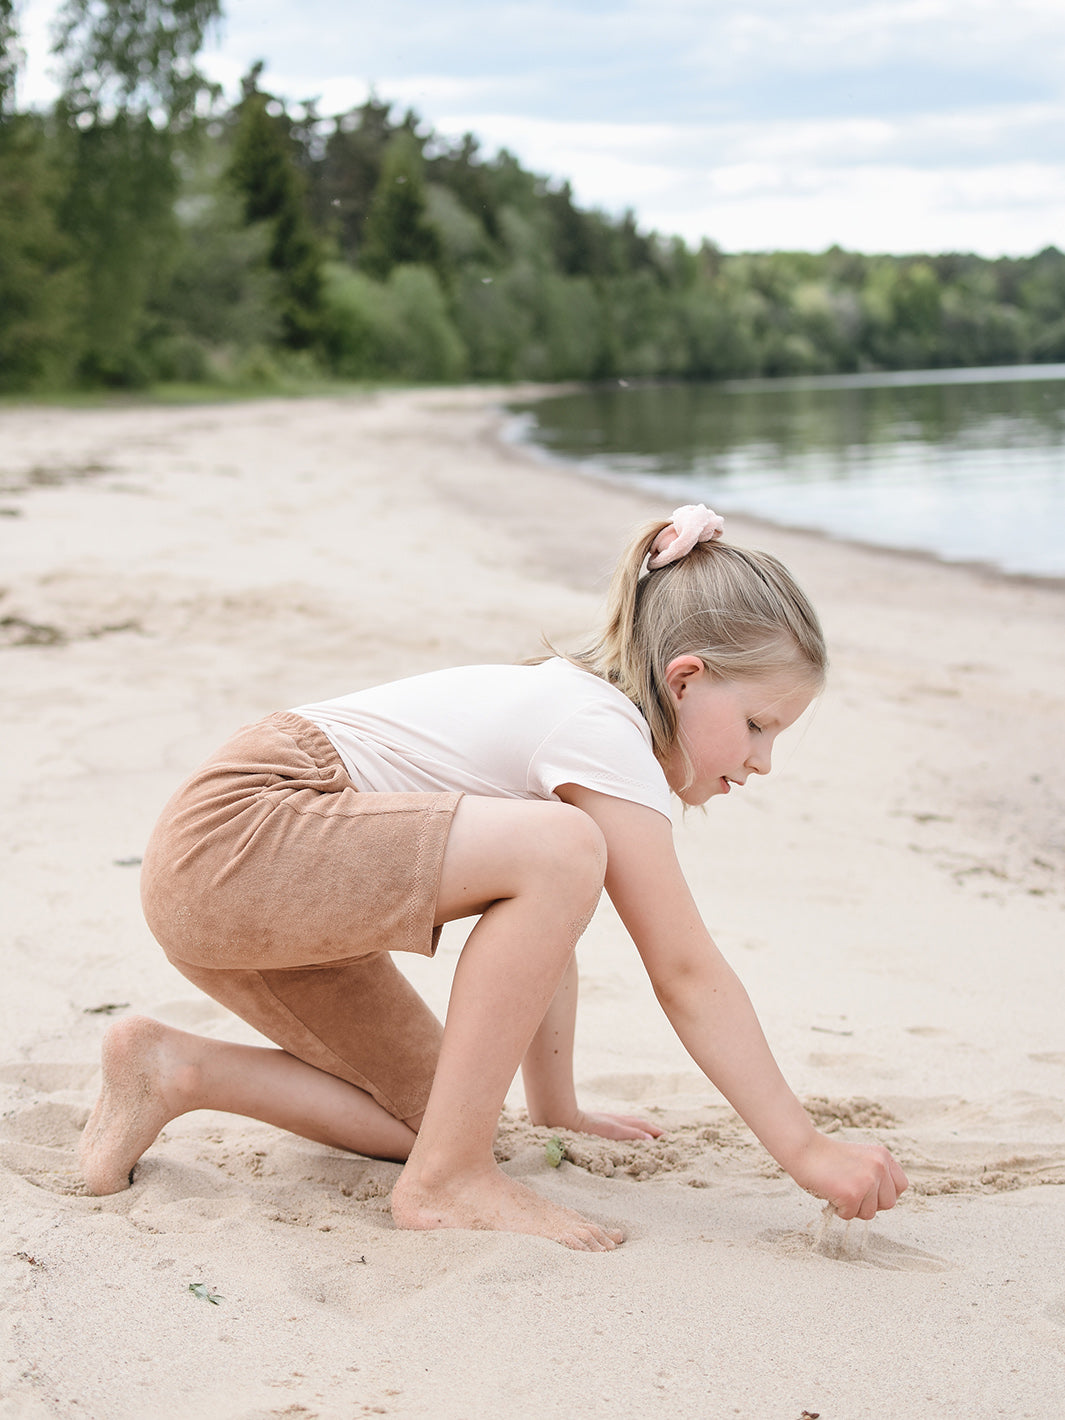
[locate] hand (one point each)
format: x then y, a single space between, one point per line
857 1179
614 1126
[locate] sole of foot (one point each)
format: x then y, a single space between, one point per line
132 1107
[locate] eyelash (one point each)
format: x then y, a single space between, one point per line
757 729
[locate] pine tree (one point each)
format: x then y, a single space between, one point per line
398 232
264 172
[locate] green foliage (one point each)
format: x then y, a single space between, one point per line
398 231
10 58
461 238
264 171
130 91
134 55
343 172
138 243
117 211
398 329
222 299
39 288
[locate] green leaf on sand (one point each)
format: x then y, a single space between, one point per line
555 1151
201 1290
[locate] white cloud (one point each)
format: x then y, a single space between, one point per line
862 184
878 124
993 211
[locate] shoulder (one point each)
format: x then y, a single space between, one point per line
581 687
581 695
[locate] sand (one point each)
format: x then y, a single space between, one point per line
892 896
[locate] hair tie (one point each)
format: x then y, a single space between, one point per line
691 524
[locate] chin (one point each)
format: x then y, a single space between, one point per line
697 798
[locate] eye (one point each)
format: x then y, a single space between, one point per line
753 727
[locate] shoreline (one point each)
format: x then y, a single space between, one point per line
579 469
599 470
891 896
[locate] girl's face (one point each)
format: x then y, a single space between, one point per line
727 726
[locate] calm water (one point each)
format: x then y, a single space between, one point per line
966 464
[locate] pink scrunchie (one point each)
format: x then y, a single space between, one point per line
691 524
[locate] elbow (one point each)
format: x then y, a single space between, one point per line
692 983
678 986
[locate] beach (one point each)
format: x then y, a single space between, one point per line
892 897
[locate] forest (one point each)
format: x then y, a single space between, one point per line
152 234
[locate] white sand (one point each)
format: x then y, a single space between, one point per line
892 897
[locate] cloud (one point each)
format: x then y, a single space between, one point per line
882 124
688 60
995 185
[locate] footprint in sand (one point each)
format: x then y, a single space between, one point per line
49 1125
40 1145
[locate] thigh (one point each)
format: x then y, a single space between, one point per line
501 848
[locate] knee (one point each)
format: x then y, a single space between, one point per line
574 854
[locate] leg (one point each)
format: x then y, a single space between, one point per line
152 1073
534 871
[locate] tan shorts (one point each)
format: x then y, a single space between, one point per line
279 889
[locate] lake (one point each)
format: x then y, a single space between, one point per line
966 464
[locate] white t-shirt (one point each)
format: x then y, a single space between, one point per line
514 732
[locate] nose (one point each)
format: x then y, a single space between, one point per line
760 759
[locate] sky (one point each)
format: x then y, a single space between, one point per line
877 125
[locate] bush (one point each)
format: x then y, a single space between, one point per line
399 329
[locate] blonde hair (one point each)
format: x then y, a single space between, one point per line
739 610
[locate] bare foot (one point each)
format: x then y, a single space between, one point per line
138 1057
489 1199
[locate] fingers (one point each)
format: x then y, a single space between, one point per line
645 1128
880 1192
858 1180
620 1126
870 1205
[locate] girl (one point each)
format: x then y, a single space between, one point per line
282 874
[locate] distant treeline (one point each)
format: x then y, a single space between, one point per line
147 234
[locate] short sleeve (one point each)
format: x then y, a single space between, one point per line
600 747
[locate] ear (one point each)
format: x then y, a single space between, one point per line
680 672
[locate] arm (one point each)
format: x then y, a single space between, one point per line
713 1016
547 1073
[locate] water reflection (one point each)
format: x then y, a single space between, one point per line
965 464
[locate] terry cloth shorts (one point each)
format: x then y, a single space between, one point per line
279 889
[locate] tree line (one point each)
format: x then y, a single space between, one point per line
150 233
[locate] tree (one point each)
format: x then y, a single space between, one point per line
264 172
36 291
10 58
129 101
398 232
39 288
134 56
344 178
